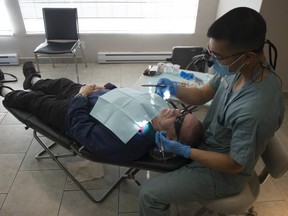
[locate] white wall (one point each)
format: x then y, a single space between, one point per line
226 5
275 14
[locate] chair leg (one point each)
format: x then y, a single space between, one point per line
83 56
129 174
76 67
37 62
52 62
42 155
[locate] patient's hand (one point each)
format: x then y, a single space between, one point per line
97 88
88 89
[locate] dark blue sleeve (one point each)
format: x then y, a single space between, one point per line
98 139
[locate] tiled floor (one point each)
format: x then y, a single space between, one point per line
30 187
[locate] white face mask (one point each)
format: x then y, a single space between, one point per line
225 69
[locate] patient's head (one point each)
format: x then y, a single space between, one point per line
179 125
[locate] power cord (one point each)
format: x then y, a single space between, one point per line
271 47
199 62
3 80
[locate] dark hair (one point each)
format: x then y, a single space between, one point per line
195 136
243 28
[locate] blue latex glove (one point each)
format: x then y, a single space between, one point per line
187 76
171 87
171 145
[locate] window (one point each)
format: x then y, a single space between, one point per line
5 23
118 16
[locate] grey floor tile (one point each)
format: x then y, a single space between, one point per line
14 139
2 198
269 192
129 201
2 115
104 73
71 74
282 133
128 196
286 107
282 186
285 121
35 193
58 67
111 175
48 72
86 74
134 68
129 191
75 203
131 73
2 108
278 208
9 166
9 119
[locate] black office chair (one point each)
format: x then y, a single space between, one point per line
62 37
184 56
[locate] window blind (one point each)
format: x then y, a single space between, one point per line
5 23
118 16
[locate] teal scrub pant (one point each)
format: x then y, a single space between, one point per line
186 184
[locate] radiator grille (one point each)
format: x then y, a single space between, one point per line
9 59
130 57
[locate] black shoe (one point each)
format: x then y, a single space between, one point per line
2 86
29 72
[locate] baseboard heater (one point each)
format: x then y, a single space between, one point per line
132 57
9 59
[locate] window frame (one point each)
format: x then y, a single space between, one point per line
6 28
163 22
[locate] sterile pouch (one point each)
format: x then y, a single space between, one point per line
124 111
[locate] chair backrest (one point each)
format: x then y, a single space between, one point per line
61 23
275 157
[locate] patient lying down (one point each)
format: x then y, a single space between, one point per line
65 106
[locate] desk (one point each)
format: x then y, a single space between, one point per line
154 79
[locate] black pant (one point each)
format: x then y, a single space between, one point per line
48 100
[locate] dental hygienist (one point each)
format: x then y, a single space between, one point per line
246 110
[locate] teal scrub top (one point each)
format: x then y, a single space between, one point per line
243 126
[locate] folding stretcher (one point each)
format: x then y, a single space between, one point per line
144 163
